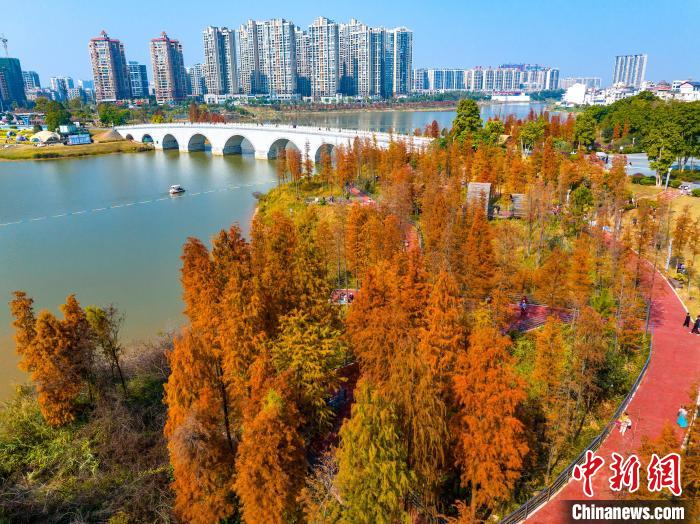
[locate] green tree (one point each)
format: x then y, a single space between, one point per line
584 129
532 133
111 115
373 478
56 115
663 144
309 352
468 120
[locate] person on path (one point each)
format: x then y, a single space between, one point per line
682 419
625 423
686 322
696 326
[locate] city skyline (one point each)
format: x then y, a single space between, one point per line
435 46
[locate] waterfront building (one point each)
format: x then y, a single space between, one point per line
249 58
138 77
196 82
325 58
278 57
220 62
506 78
169 76
268 57
109 69
60 86
630 70
303 53
399 61
11 83
31 80
591 82
378 63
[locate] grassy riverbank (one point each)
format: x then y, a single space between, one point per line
31 152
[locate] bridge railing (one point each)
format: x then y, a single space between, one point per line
537 501
349 133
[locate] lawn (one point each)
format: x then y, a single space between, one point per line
31 152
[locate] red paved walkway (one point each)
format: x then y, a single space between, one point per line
674 367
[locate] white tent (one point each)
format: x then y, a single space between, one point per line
45 137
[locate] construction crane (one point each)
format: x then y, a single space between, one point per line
3 41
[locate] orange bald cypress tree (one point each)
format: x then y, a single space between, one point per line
271 462
57 374
478 261
201 454
579 279
22 310
208 375
57 354
490 444
372 320
443 337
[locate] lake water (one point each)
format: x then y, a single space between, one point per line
105 228
407 121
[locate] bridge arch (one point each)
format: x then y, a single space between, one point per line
129 137
169 142
146 138
324 148
198 142
280 144
238 145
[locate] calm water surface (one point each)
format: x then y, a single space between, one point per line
407 121
105 228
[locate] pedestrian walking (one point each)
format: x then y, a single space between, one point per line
686 322
696 326
624 423
682 419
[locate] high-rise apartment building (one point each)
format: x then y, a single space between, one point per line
220 62
399 60
278 57
630 70
196 83
303 51
325 57
109 69
591 82
268 57
169 76
506 78
138 77
31 80
352 59
60 86
248 57
11 83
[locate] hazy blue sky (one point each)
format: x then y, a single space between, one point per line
579 37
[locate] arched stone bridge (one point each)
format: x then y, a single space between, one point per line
264 140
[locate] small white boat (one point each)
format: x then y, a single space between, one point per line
176 189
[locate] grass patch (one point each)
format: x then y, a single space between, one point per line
292 200
30 152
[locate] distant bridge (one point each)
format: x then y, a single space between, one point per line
264 140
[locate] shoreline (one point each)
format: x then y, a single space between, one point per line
128 148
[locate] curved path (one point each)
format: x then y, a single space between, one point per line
674 368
